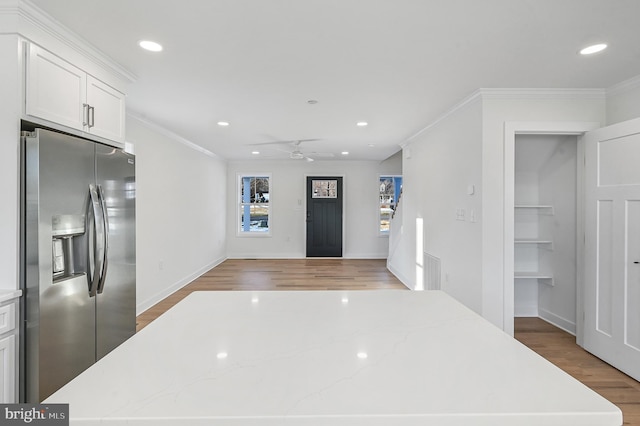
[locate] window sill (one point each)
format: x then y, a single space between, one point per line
253 234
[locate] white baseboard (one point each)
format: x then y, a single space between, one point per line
525 311
364 256
399 276
146 304
558 321
300 256
265 256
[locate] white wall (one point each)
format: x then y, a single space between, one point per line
10 111
466 147
180 212
515 106
558 187
439 166
287 207
623 101
546 174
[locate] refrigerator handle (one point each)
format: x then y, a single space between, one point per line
105 224
95 210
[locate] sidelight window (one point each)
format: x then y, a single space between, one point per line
390 187
253 215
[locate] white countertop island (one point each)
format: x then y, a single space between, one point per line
374 358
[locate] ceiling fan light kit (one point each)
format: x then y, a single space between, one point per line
296 153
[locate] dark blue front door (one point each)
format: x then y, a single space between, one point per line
324 216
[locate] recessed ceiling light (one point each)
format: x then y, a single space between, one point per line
371 145
255 152
222 355
362 124
363 355
223 123
595 48
345 152
151 46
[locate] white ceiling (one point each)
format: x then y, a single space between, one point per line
397 64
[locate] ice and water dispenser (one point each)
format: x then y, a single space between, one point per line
69 257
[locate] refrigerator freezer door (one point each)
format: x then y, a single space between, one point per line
59 314
116 299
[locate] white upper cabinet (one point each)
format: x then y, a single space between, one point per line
106 112
59 92
56 90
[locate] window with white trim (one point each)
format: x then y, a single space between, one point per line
254 212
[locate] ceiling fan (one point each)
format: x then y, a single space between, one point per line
295 153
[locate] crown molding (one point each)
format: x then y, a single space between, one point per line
469 100
624 86
169 134
512 94
542 93
22 17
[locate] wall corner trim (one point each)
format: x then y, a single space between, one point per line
542 93
475 96
509 93
624 86
169 134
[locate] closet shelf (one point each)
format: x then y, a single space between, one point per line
535 208
531 241
542 278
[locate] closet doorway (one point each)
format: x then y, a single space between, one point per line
546 263
546 260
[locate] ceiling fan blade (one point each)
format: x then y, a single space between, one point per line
295 142
288 151
321 154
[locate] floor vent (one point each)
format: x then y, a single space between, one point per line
431 272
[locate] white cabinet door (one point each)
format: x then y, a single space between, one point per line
612 245
7 370
106 113
56 90
62 93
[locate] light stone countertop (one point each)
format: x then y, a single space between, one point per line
318 358
6 295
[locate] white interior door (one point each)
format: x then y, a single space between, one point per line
612 245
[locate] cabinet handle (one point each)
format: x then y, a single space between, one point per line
85 114
92 120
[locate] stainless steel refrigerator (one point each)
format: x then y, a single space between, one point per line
78 248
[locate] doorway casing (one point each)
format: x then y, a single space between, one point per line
511 129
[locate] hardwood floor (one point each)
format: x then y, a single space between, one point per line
561 349
284 274
550 342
